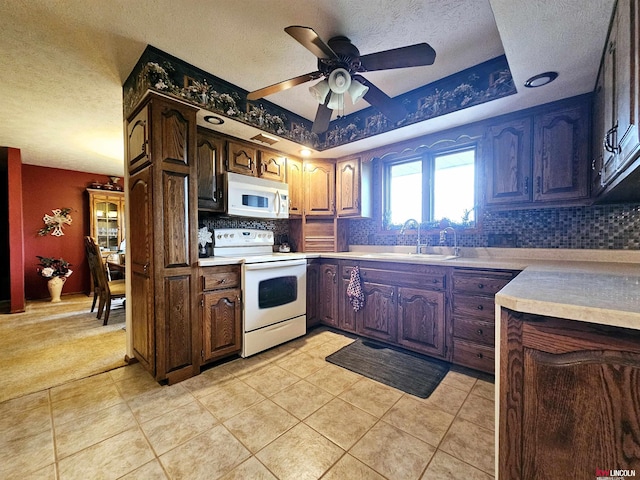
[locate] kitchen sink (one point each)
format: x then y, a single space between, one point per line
407 256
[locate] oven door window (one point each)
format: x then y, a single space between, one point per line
275 292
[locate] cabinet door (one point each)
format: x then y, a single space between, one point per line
568 397
348 199
508 147
241 159
320 184
560 155
294 180
598 133
313 297
627 97
209 163
421 321
140 253
378 317
347 315
222 323
272 166
329 294
138 140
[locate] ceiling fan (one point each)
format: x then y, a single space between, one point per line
339 65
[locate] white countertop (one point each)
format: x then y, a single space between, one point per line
597 286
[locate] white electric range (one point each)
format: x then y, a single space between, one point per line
274 287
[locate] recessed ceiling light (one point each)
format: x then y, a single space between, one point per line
541 79
213 120
305 152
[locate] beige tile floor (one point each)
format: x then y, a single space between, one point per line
285 414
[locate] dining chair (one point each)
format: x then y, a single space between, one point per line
104 289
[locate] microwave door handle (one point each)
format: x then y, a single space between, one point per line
278 205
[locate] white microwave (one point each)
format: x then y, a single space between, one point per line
255 197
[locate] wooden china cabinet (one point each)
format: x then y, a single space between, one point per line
106 221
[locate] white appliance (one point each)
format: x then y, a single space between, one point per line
256 197
274 288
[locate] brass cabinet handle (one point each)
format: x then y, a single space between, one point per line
479 355
480 285
479 331
480 307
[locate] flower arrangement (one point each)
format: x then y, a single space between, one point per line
53 267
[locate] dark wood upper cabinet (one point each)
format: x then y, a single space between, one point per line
540 158
319 187
508 157
138 140
241 158
210 152
561 145
353 188
272 166
617 109
294 180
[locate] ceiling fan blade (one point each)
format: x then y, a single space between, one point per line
278 87
323 117
389 107
410 56
310 40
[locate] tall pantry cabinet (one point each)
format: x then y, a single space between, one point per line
161 163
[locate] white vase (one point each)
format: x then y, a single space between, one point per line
55 285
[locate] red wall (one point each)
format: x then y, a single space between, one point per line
45 189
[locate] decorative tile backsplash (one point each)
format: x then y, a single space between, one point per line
280 228
593 227
610 227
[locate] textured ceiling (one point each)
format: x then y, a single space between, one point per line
64 61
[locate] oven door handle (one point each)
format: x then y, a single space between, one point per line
275 264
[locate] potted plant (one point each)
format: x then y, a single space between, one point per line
56 271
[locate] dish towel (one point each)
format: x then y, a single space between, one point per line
354 289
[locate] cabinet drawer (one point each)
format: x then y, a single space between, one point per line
475 330
220 277
475 306
480 283
431 280
473 355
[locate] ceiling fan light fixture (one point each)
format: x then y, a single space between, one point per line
357 91
339 80
320 91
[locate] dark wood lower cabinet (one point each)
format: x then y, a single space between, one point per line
421 321
378 319
221 312
328 306
569 398
313 288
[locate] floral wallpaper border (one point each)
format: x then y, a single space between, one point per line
162 72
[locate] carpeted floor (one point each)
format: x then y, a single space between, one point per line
54 343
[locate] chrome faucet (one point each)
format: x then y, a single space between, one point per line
443 239
417 224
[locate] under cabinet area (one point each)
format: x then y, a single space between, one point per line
568 397
473 294
221 311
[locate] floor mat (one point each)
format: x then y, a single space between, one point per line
411 373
